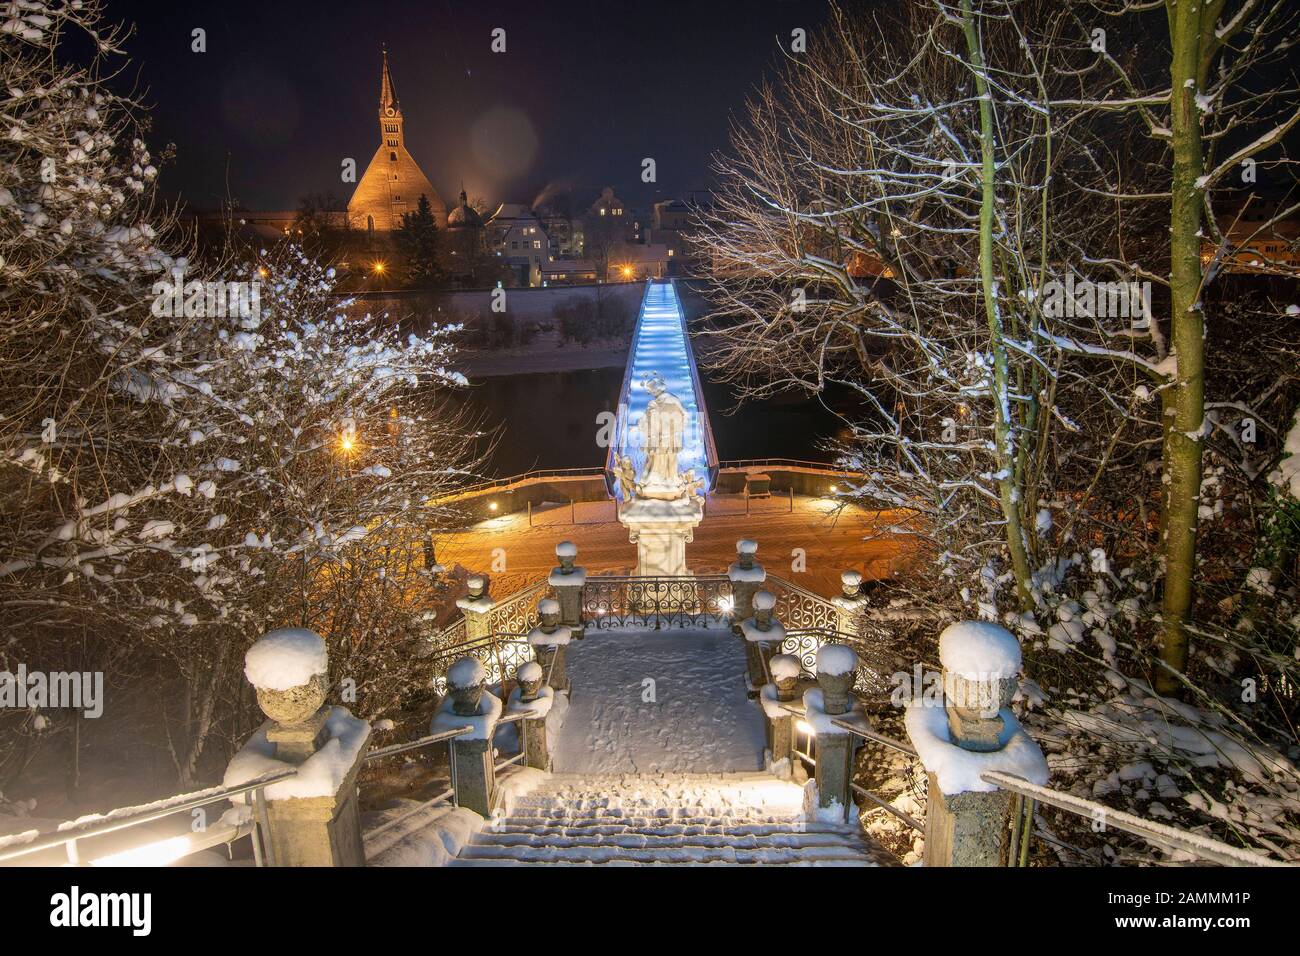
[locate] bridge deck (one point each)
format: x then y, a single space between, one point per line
661 344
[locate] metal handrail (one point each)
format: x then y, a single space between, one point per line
447 794
1207 848
705 423
536 474
94 828
393 749
790 462
884 805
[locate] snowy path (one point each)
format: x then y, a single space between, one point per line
695 717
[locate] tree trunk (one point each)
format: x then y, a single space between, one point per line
1186 403
1008 490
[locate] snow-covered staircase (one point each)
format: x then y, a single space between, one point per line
677 818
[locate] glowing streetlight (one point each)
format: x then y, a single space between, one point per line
347 443
379 267
492 506
627 272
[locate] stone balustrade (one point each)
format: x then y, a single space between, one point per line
568 580
477 607
312 818
967 820
747 577
470 704
763 635
550 642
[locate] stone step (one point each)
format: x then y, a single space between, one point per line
701 827
675 814
684 854
651 840
620 861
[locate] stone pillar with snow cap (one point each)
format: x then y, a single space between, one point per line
470 704
775 697
763 636
533 698
849 603
477 605
831 797
550 642
746 576
312 818
967 819
568 581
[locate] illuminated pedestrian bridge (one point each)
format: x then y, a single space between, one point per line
660 361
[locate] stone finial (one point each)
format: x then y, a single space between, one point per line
785 671
567 553
981 661
477 585
549 613
851 584
746 548
529 677
764 604
465 680
288 667
837 666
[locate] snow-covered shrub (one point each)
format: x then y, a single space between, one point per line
176 481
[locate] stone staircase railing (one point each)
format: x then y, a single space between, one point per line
300 769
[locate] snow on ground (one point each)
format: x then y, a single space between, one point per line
435 835
694 717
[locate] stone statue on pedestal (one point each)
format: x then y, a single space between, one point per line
662 429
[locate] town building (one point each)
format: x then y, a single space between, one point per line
516 235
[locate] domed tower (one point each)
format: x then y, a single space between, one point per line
464 216
393 182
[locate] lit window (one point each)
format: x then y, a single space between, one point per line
537 243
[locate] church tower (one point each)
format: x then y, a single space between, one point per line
393 182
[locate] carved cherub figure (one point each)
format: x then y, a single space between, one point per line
625 474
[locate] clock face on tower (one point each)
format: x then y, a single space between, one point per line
390 111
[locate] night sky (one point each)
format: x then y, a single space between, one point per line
584 91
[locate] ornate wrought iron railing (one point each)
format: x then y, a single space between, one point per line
614 601
499 654
518 614
797 607
875 666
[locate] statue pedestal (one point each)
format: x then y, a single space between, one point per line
661 530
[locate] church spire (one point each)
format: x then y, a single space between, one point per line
390 111
387 94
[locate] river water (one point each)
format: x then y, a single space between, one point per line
549 420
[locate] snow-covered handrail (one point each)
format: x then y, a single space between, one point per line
69 832
1203 847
